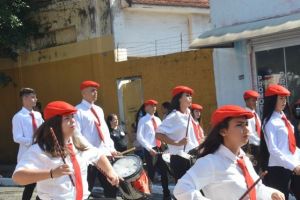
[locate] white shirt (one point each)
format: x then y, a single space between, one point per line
59 188
174 126
219 177
146 132
254 137
22 129
276 136
86 126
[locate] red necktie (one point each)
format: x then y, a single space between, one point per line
197 131
98 125
257 125
34 124
291 136
77 171
158 142
248 178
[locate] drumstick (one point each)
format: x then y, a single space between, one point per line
253 185
187 130
60 151
127 151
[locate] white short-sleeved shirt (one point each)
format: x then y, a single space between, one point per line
276 136
174 126
220 178
86 126
146 132
58 188
254 137
22 129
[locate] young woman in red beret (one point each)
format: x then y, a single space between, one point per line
223 171
43 163
280 155
196 110
177 131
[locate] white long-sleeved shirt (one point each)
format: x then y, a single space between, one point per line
219 177
58 188
22 129
276 136
254 137
86 126
174 126
146 132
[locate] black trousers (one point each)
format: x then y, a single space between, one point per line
283 180
179 166
28 190
158 165
109 190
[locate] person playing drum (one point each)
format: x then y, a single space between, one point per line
223 171
43 163
177 131
147 126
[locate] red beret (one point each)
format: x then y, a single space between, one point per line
275 89
182 89
250 94
86 84
229 111
150 102
196 107
61 108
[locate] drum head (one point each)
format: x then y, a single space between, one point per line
128 166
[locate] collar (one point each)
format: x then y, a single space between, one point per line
277 114
86 103
26 111
224 151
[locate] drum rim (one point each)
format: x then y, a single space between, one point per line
135 173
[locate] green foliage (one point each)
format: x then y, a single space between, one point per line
15 25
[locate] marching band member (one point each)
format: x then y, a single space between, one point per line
147 126
223 171
177 131
42 162
278 144
91 124
254 125
24 124
196 110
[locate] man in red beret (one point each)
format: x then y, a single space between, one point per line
147 126
24 124
91 124
254 126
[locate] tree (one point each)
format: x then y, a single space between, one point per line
15 25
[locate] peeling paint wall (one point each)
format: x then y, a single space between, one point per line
63 22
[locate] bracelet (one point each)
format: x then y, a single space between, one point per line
51 174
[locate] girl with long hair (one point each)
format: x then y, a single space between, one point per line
223 171
43 162
177 131
280 155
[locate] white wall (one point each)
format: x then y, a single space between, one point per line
147 33
228 12
229 65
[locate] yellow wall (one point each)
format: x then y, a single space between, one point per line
59 79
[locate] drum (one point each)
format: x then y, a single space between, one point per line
136 184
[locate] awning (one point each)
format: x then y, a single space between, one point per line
221 37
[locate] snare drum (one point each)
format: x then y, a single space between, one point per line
136 184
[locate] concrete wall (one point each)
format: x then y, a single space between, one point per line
228 12
156 30
63 22
57 72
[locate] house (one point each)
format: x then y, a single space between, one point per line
157 27
255 43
